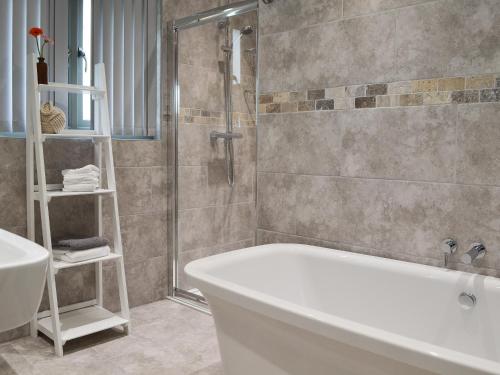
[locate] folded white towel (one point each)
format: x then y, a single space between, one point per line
72 180
86 174
80 255
83 179
88 169
80 187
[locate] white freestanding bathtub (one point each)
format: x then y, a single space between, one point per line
23 265
296 309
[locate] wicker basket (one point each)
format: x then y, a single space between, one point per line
53 119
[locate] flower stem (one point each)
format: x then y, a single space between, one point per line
43 46
38 47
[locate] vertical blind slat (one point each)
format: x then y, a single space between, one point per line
108 49
139 120
118 60
19 40
128 68
6 10
151 66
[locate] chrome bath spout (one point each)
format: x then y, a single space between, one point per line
476 252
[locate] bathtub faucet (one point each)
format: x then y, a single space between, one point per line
449 246
476 252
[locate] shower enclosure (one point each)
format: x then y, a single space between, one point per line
212 137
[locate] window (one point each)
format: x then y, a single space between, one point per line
121 33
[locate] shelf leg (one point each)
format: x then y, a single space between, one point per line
30 220
54 308
36 133
118 248
99 224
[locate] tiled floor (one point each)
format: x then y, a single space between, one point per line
167 338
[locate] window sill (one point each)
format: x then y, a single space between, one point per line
21 135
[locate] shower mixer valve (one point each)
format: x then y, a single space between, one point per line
449 246
214 135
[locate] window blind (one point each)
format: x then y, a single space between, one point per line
16 17
124 38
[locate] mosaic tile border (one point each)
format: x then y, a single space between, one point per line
198 116
452 90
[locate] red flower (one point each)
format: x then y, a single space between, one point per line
36 31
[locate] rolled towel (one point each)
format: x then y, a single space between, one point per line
81 243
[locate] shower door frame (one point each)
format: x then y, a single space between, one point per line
210 16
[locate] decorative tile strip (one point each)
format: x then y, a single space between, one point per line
198 116
447 90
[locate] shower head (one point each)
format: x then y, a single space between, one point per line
247 30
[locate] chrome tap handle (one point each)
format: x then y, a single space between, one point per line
476 251
449 246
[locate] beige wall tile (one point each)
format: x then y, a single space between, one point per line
401 87
207 94
479 140
203 186
12 153
318 207
440 97
426 40
287 15
12 198
364 219
424 85
281 97
289 107
388 101
451 84
411 100
358 7
276 201
278 63
306 105
400 143
355 90
361 51
136 153
420 214
480 82
342 103
143 236
335 92
300 143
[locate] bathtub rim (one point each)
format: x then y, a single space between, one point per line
26 253
397 347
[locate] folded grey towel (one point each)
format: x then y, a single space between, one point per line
82 243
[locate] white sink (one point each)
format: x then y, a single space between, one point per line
23 266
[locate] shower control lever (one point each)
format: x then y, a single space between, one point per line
449 246
476 251
215 135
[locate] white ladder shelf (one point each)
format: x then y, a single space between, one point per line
69 322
